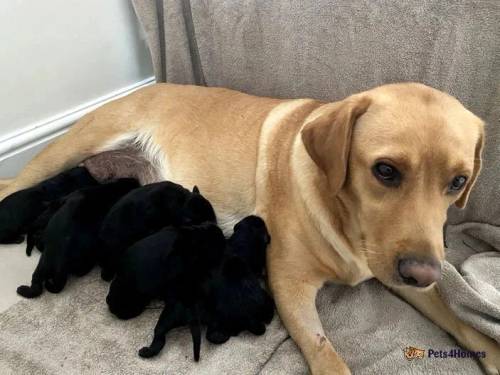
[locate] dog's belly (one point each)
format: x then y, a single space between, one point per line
133 162
128 162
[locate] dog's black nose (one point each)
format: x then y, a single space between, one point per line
419 272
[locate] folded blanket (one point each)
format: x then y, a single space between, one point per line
472 290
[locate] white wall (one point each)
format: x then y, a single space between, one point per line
58 59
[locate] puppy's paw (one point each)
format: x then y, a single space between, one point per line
257 329
217 337
29 291
53 287
147 352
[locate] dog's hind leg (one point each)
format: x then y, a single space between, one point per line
36 287
172 316
92 134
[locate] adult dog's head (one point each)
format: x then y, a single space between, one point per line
396 157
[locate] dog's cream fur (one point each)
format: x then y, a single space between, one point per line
305 167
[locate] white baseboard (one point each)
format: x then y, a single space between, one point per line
15 144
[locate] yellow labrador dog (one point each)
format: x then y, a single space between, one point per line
350 190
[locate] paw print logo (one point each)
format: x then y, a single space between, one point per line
412 353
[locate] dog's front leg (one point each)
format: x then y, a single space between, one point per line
430 303
295 298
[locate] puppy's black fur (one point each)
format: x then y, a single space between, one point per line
70 240
35 230
156 263
21 208
237 301
249 241
148 209
172 265
229 300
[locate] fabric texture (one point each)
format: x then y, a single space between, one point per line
73 332
324 49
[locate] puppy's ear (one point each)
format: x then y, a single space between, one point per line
237 226
196 190
327 138
462 201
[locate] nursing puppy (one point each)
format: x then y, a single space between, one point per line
155 265
194 256
236 299
70 241
249 241
148 209
18 210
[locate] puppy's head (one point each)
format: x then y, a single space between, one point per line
249 241
253 226
395 158
197 209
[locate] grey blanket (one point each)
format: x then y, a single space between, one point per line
327 50
73 333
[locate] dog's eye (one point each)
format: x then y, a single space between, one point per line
457 183
387 174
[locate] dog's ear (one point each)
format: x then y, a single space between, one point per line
196 190
327 138
462 201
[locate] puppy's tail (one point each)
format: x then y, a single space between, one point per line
195 328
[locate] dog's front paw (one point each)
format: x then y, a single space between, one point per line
327 361
147 352
491 363
476 341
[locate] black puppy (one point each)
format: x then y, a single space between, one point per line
35 230
230 299
70 241
171 265
157 262
148 209
249 241
19 209
237 301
